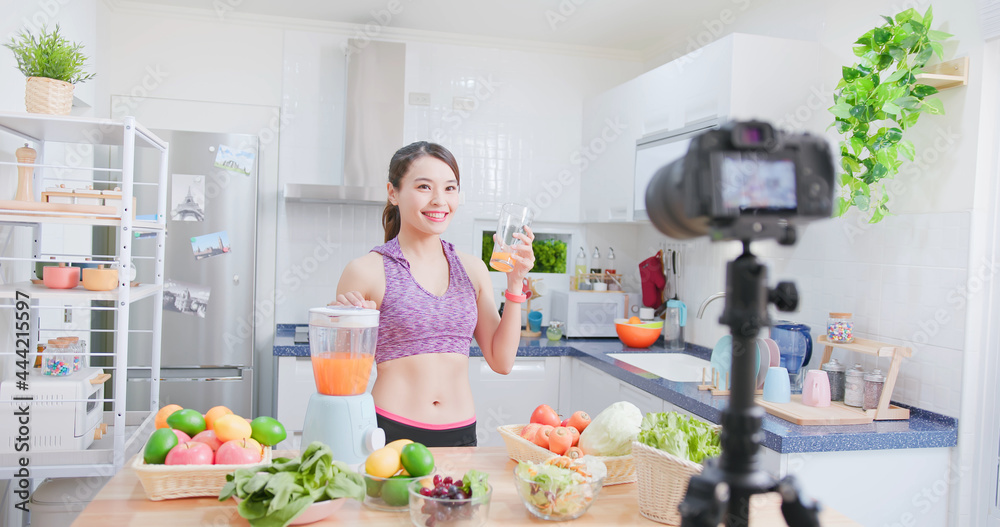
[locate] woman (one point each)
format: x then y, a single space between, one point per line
432 300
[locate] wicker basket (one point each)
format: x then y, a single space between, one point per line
662 482
45 95
165 482
621 469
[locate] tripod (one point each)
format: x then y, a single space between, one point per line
722 491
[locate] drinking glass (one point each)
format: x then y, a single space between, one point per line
513 219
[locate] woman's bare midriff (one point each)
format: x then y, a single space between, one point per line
431 388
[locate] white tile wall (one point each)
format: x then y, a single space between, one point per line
906 281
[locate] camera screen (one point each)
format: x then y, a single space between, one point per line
754 182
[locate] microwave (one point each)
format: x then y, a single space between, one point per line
589 313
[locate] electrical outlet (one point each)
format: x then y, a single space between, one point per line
420 99
463 104
68 315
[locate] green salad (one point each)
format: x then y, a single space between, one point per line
680 435
556 491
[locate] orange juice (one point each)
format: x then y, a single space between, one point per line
341 373
501 261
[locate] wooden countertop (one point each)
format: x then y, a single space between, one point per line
123 502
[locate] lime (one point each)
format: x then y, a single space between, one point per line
417 460
158 445
373 487
267 431
394 491
189 421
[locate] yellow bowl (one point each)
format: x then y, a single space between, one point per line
635 336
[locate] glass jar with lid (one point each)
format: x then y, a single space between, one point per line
554 332
874 382
840 328
854 386
76 347
59 358
836 372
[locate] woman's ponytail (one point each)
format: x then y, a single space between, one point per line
390 221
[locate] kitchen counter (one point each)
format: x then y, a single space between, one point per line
123 502
923 430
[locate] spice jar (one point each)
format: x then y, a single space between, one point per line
854 386
874 382
554 331
840 327
836 372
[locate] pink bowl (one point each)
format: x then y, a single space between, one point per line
61 277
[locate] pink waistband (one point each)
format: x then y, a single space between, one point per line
426 426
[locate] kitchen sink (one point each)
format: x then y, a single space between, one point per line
677 367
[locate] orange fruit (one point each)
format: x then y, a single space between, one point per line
164 413
231 426
215 413
635 320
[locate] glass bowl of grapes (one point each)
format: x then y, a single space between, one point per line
451 502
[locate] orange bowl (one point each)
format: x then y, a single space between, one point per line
634 336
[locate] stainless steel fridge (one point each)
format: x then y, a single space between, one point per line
208 301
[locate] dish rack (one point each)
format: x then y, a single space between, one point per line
621 469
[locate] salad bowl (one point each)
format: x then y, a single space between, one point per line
551 492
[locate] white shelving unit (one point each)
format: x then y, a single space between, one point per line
106 455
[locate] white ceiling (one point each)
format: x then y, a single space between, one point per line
639 26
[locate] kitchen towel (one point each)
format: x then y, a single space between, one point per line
653 280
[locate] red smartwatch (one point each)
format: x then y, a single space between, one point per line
517 299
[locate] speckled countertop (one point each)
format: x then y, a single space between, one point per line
923 430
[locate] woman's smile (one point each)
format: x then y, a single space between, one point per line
435 215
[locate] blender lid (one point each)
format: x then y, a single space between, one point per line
343 316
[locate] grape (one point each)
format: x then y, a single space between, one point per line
447 480
437 480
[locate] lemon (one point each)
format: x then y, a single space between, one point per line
398 445
383 463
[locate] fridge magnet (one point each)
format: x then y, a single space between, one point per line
187 197
234 160
182 297
209 245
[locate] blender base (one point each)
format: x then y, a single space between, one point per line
346 424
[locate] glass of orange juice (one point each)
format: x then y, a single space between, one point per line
514 217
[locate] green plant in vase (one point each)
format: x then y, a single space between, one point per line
52 66
876 101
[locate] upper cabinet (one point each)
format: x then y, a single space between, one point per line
735 78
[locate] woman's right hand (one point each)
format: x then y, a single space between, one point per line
353 298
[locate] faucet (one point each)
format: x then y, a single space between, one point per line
709 300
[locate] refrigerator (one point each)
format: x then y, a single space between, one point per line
209 274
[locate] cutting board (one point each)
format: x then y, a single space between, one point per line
795 412
40 206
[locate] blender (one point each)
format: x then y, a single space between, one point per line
341 413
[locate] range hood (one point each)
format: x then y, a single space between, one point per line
374 125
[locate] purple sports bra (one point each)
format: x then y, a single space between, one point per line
414 321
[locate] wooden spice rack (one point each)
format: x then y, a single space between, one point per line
839 413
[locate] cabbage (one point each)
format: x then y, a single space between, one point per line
611 433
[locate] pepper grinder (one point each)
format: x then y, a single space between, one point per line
25 154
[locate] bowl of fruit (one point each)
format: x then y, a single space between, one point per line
389 471
560 488
455 502
635 333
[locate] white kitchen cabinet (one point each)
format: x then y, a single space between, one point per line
126 430
508 399
591 389
294 386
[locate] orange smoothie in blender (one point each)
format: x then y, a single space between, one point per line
341 372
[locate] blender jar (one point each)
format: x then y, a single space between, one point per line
342 348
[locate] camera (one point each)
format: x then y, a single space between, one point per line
743 181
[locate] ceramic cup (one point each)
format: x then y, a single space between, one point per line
600 286
816 389
776 387
647 313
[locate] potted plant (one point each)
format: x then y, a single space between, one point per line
52 65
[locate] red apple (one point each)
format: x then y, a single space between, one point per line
239 452
181 436
209 438
190 453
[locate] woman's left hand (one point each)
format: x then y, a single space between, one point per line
523 256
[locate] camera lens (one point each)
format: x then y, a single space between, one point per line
665 204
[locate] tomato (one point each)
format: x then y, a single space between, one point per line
267 431
417 460
545 415
394 491
189 421
158 445
231 427
382 463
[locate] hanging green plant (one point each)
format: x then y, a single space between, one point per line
877 99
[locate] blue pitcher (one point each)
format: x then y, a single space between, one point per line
795 346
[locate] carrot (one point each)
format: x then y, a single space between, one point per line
542 436
579 420
574 452
560 440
